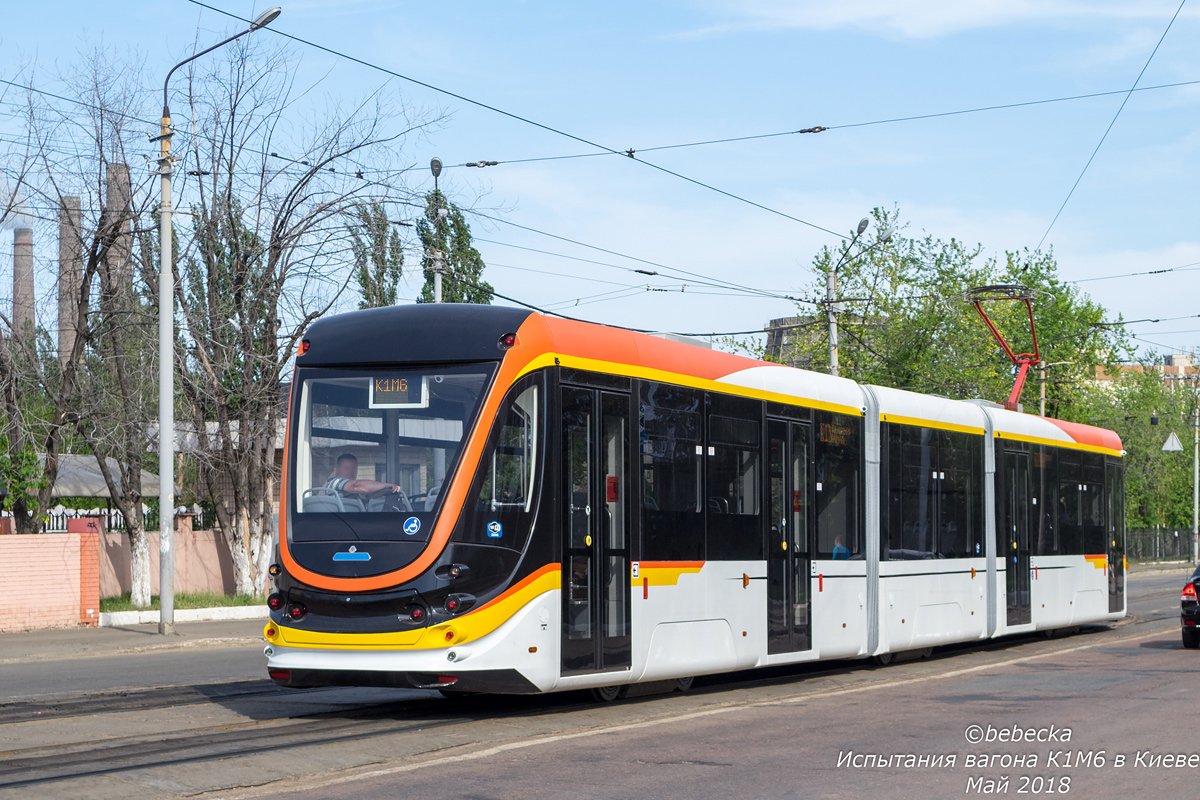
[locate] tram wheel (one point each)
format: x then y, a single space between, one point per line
684 684
606 694
883 659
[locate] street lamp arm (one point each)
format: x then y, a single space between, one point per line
263 19
166 111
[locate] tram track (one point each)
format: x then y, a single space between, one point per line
51 764
133 700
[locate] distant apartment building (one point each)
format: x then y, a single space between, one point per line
790 340
1176 367
803 341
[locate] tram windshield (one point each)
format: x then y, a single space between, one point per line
378 441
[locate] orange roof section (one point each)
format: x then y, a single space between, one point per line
589 340
1088 434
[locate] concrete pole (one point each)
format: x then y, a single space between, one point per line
1196 489
1042 392
166 392
830 294
437 276
23 310
70 275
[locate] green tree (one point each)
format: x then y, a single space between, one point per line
378 256
1144 409
462 278
904 324
21 477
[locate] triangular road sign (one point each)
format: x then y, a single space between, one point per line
1173 444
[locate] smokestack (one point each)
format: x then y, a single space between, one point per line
23 314
118 206
70 275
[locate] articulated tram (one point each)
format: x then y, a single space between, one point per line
484 499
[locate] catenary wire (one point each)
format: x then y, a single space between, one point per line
1110 126
527 121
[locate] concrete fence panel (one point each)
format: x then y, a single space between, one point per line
49 581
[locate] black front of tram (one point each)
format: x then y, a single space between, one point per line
386 400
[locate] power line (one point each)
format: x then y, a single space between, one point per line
1110 126
1156 344
700 279
1140 321
1182 268
1169 333
824 128
278 32
722 283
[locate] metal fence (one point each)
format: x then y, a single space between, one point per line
1159 544
57 522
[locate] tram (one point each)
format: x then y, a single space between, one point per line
485 499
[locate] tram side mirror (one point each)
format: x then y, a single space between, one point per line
449 572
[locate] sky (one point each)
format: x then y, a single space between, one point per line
642 75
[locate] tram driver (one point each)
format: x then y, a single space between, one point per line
345 482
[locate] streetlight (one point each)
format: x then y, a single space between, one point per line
166 352
832 307
435 166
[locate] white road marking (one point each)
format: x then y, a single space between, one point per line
358 773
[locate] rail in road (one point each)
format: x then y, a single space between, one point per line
156 741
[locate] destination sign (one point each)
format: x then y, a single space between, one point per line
399 390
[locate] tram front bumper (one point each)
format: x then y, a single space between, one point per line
521 656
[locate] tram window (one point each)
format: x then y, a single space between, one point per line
912 503
509 482
933 493
358 426
734 478
960 485
1070 502
669 419
838 476
1092 503
506 484
1044 480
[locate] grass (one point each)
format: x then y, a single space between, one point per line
182 600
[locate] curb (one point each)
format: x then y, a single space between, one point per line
118 618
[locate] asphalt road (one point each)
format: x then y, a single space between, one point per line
218 729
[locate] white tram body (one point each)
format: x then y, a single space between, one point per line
670 511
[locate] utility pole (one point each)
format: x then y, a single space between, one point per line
435 166
166 351
831 309
1196 487
1042 365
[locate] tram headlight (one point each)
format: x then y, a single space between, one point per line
449 572
297 611
275 570
275 602
458 603
416 614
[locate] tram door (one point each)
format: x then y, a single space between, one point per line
595 502
789 580
1114 494
1016 544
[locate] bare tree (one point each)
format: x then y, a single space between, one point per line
266 253
85 391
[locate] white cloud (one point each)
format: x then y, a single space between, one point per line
914 19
